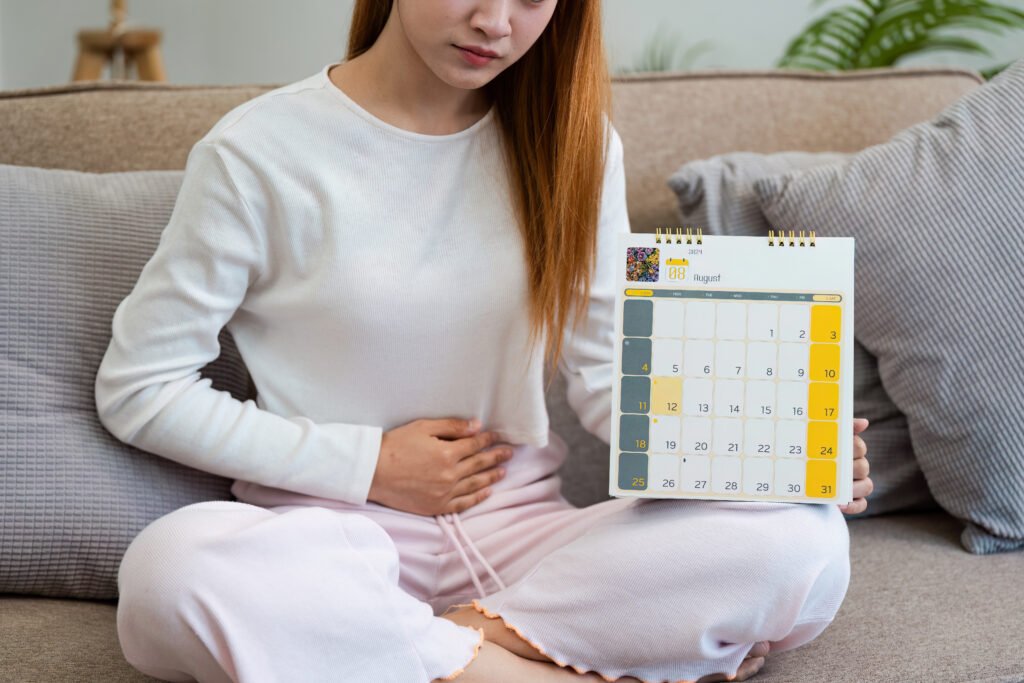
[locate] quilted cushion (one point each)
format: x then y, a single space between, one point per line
72 496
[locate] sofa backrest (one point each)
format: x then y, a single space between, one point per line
665 119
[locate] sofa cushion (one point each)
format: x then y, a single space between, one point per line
937 214
72 245
717 194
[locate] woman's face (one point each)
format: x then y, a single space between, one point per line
445 34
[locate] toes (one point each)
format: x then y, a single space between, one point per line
748 668
760 649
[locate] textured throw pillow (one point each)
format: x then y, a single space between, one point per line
938 215
73 497
718 195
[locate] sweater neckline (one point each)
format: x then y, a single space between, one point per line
340 94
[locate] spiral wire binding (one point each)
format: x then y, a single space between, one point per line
792 239
679 235
779 240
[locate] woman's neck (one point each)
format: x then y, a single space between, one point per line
391 81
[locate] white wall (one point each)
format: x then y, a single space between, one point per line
204 41
270 41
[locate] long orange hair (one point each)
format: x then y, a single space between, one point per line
552 108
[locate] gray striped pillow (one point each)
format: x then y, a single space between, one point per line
938 214
718 195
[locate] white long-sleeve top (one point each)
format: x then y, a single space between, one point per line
370 276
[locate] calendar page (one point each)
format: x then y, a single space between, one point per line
734 369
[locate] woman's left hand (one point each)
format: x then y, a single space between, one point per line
862 484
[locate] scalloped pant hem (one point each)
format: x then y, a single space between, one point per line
671 591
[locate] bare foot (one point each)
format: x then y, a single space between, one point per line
505 656
750 665
495 664
513 659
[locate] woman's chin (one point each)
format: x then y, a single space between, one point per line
466 77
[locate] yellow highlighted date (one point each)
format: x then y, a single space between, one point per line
821 479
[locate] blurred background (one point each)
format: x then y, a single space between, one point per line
272 42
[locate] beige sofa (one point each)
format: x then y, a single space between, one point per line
919 607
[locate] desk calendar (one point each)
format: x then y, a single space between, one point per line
734 367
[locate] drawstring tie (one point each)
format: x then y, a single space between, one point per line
446 522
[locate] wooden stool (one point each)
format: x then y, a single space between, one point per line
140 47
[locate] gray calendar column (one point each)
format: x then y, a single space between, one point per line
635 393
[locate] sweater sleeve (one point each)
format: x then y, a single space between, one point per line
148 389
587 358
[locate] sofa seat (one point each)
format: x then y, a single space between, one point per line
900 598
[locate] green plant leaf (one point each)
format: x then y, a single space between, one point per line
994 71
952 44
876 33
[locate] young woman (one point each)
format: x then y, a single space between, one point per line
389 241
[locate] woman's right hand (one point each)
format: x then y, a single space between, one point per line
437 466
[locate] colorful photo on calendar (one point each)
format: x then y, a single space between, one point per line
642 264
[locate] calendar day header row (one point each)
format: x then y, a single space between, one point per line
722 294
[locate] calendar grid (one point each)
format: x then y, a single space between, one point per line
689 425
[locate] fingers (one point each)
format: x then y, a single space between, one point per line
467 501
452 427
481 461
858 505
862 488
861 468
862 484
860 448
480 471
478 480
471 445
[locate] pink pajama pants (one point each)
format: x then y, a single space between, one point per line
283 587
